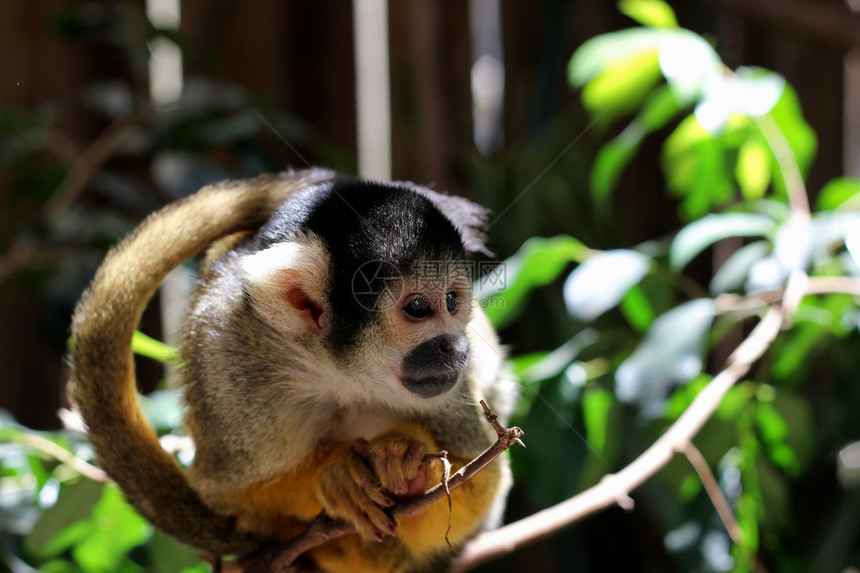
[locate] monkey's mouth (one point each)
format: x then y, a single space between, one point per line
434 366
431 386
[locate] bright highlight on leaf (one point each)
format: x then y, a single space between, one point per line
622 87
689 64
599 283
752 169
749 92
701 234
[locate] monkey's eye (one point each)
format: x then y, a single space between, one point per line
452 302
418 308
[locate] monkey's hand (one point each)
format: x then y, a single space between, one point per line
362 479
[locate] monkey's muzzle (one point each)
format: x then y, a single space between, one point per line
433 367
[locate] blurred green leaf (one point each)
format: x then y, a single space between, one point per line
115 529
735 270
151 348
596 403
65 523
774 433
701 234
549 365
622 87
684 395
657 110
753 168
166 555
609 164
839 192
671 353
637 309
163 409
609 50
538 262
694 163
651 13
600 282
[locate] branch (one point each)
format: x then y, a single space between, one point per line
279 558
89 162
719 501
615 489
48 447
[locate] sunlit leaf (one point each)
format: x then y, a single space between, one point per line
735 270
671 353
689 64
538 262
608 50
622 87
599 283
839 193
701 234
752 169
694 163
750 92
651 13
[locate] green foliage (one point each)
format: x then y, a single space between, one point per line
732 142
67 518
642 337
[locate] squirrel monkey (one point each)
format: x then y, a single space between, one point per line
332 342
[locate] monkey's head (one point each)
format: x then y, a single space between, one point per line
372 279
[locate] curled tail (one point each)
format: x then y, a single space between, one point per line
103 377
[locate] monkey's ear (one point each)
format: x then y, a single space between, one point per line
469 218
287 283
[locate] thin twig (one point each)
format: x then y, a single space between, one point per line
615 489
64 456
89 162
713 490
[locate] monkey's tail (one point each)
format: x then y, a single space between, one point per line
103 379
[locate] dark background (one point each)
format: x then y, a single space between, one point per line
293 60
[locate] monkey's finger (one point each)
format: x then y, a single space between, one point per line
397 461
368 483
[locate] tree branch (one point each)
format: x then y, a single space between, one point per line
614 489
